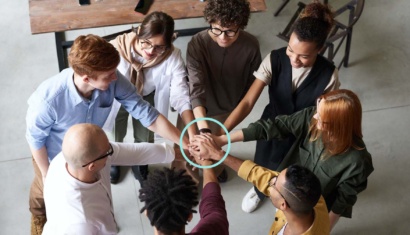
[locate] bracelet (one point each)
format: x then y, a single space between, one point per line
205 130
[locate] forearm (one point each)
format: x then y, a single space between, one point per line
237 116
208 174
200 112
187 116
41 158
168 131
232 162
246 105
333 219
236 136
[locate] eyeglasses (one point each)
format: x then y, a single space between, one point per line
110 152
273 185
148 45
228 33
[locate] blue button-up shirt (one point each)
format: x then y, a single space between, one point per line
56 105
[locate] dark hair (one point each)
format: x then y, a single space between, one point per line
228 12
91 54
169 197
157 23
314 23
303 189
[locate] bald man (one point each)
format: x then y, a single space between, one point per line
77 189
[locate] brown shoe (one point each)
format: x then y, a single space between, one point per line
37 224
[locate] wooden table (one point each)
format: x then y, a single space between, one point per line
59 16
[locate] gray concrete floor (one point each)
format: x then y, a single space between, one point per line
378 73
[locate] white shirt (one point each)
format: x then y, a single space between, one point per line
168 79
75 207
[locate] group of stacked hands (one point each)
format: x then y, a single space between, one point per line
310 158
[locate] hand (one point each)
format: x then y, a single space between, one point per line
178 154
203 147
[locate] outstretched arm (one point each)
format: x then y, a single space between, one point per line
165 129
246 105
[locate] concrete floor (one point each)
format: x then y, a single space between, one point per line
378 73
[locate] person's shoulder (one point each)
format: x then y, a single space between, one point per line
55 85
249 39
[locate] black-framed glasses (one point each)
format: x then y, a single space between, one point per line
110 152
145 44
228 33
273 185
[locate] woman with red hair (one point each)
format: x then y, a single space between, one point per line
328 142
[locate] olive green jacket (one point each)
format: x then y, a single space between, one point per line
342 176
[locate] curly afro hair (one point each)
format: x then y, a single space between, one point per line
169 196
228 13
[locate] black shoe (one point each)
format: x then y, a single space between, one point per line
114 174
223 177
140 173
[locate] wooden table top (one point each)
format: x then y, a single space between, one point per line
63 15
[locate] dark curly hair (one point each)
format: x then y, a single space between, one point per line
314 23
169 196
303 189
228 13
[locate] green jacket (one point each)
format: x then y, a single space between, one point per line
342 176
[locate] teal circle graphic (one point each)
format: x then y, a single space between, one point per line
227 135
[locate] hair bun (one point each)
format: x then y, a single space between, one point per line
318 11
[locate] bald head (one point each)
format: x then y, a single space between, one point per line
83 143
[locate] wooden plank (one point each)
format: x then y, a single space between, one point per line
63 15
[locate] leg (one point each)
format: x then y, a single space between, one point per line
36 202
120 130
142 134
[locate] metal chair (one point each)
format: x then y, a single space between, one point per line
339 33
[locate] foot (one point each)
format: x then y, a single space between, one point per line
223 177
251 201
115 174
140 173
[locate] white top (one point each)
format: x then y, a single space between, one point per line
264 73
168 79
75 207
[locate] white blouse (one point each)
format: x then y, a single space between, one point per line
168 79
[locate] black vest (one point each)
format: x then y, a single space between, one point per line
281 99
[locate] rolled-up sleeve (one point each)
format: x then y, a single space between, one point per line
257 175
39 120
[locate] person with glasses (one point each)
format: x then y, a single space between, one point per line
295 192
156 68
77 189
220 63
328 141
83 93
296 75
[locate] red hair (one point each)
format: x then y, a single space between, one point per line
341 115
91 55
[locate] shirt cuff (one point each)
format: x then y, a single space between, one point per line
245 169
197 102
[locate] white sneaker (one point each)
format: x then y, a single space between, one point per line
250 201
